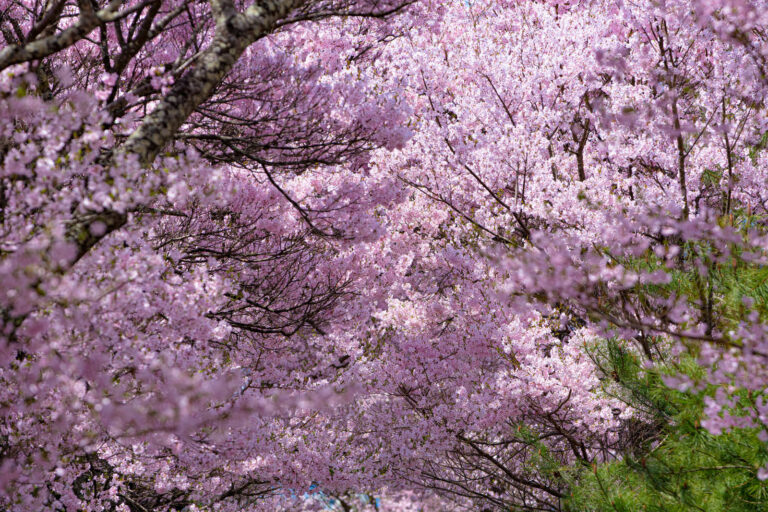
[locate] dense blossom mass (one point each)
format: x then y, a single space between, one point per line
372 254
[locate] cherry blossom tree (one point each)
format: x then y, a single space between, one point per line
572 164
171 265
364 254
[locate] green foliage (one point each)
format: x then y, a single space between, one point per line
673 464
665 460
716 280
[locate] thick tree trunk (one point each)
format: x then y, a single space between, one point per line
234 33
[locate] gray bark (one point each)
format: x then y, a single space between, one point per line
234 33
40 48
